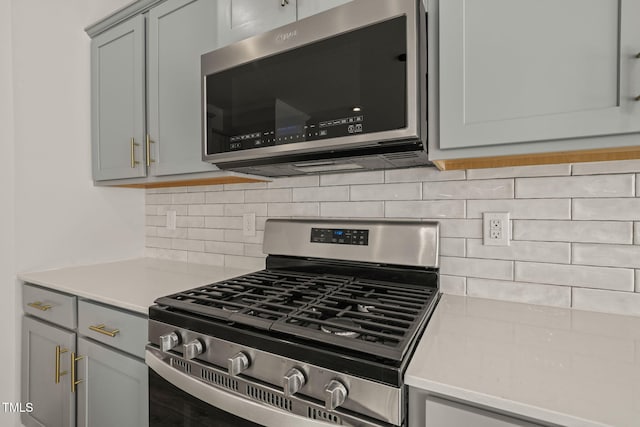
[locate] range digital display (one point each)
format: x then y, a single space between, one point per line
340 236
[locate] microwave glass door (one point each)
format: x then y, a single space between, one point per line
350 84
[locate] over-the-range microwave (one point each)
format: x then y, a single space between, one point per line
342 90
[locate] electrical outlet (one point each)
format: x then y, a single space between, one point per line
496 228
171 220
249 224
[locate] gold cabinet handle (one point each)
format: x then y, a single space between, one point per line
39 305
134 162
101 328
74 382
59 351
149 142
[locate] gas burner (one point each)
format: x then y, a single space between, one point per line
231 308
348 331
365 305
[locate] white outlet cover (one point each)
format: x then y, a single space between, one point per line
171 220
496 228
249 224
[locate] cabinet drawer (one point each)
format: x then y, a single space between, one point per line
49 305
120 329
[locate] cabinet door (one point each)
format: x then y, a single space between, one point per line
117 97
114 390
536 70
311 7
53 403
180 31
239 19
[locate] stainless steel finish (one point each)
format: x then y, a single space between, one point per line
390 242
369 398
345 18
242 397
237 364
293 381
193 349
335 393
169 341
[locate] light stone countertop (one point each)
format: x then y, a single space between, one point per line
131 284
557 365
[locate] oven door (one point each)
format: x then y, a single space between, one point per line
176 399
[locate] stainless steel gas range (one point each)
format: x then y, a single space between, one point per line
322 335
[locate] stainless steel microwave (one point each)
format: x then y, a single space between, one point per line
343 90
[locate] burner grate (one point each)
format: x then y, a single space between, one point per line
379 318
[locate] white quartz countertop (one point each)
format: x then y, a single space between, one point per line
562 366
132 284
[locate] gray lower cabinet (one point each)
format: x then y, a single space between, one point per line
46 358
533 72
118 101
114 387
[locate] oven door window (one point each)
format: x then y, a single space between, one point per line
350 84
171 407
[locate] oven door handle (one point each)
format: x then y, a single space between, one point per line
236 405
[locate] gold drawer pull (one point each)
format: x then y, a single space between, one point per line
74 382
59 351
40 306
102 329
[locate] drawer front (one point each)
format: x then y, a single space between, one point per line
52 306
123 330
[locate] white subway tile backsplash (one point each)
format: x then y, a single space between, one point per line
227 248
425 209
531 293
321 194
575 186
452 247
187 198
269 195
225 197
607 210
375 177
587 218
520 171
522 250
295 181
607 255
293 210
352 209
422 174
453 285
405 191
596 168
260 209
481 189
522 209
575 275
573 231
606 301
481 268
205 210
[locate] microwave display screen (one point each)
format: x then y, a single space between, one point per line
350 84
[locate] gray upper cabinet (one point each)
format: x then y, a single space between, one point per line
239 19
118 101
180 31
311 7
114 388
536 70
46 359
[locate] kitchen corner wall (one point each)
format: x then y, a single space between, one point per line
572 226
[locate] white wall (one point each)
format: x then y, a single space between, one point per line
51 215
8 380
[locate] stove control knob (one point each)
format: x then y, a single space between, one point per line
237 364
294 380
169 341
335 393
193 349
